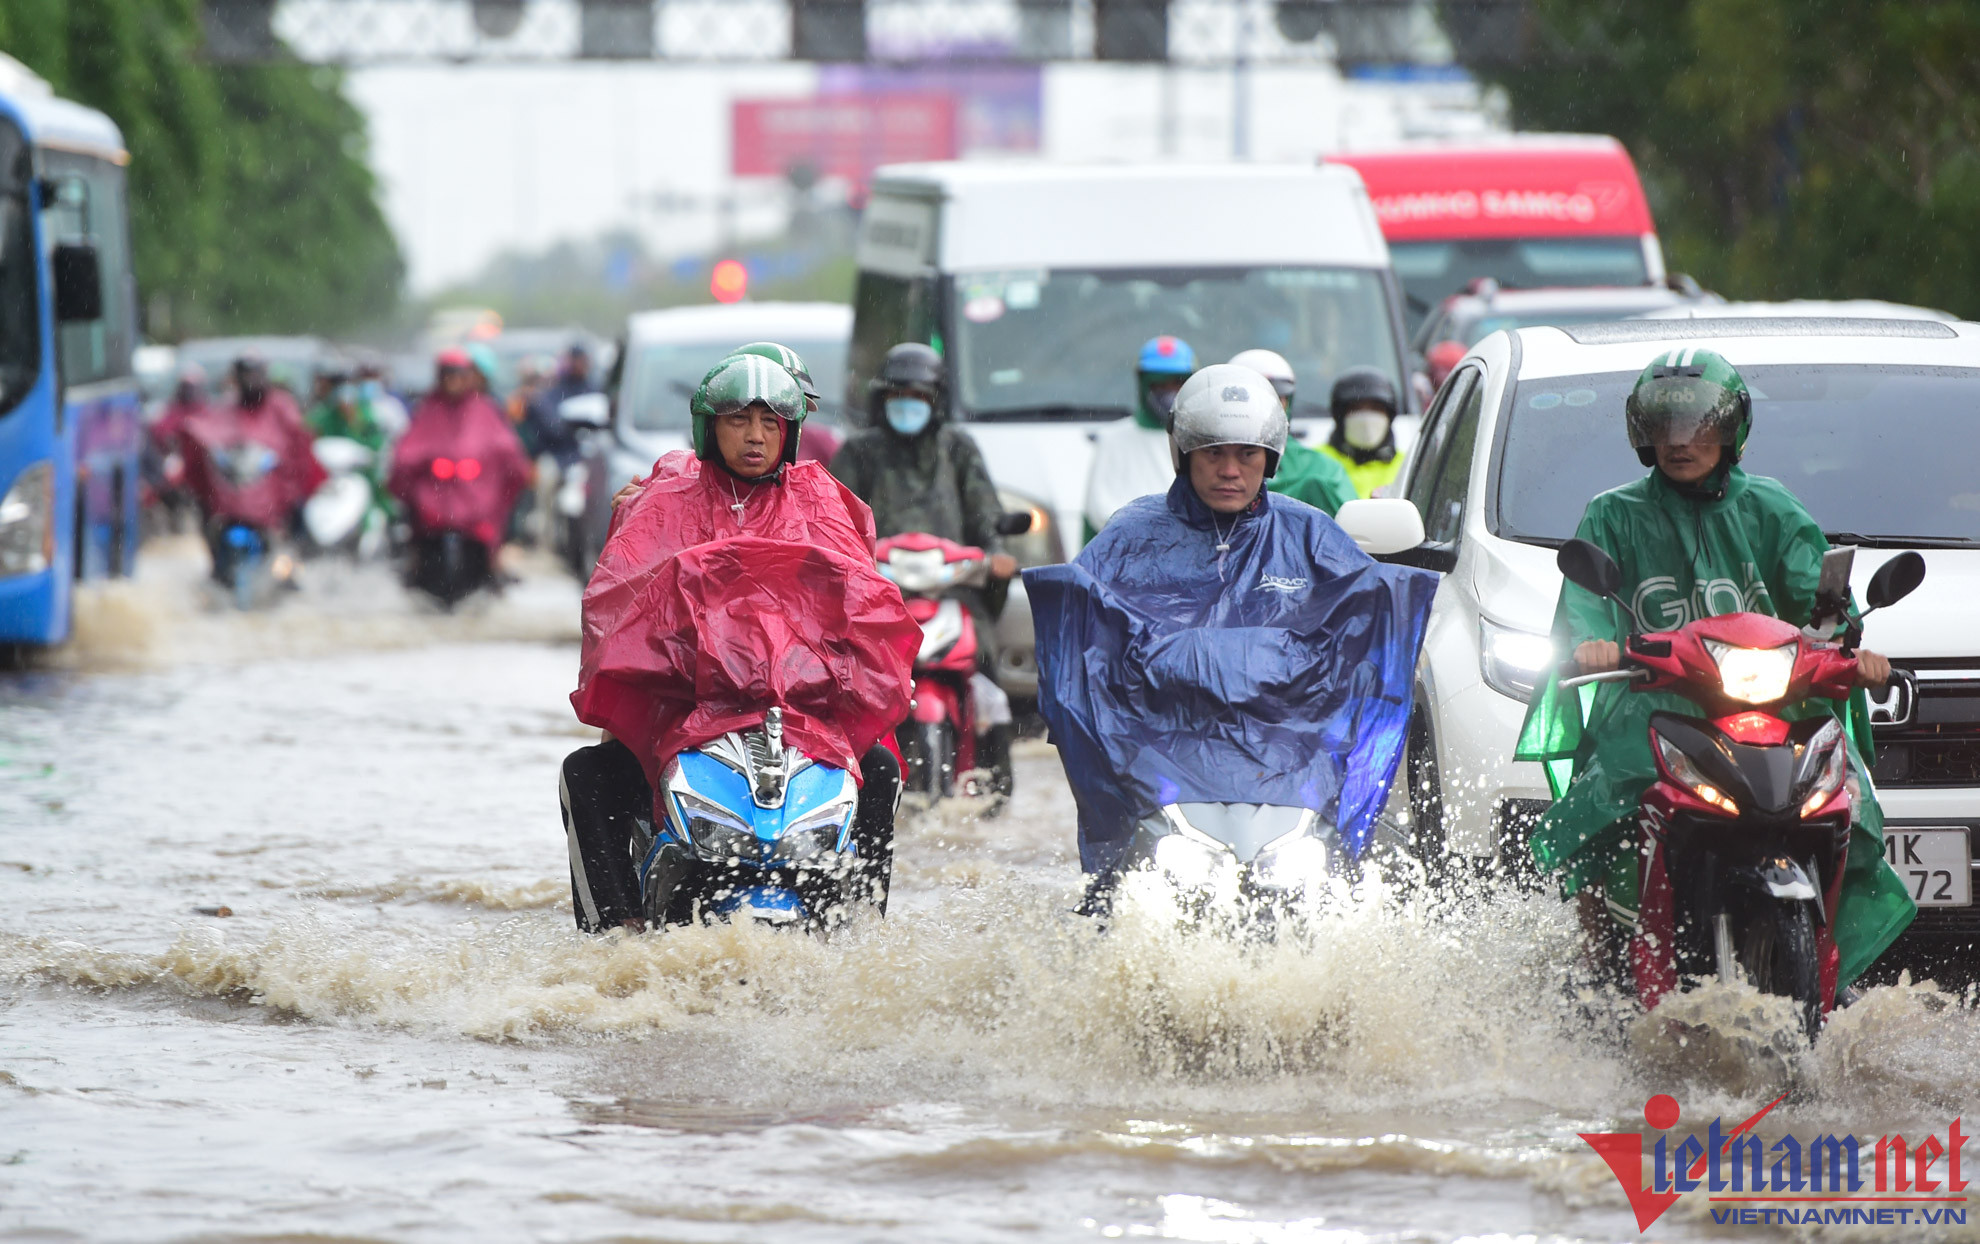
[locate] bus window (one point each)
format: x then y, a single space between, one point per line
89 208
20 324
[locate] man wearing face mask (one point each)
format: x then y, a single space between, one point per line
1304 474
1364 438
919 472
1131 456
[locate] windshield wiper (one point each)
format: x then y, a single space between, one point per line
1902 542
1047 410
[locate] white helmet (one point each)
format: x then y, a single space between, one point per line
1225 404
1273 366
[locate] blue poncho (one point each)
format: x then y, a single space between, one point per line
1278 671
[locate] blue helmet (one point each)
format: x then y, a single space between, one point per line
1166 356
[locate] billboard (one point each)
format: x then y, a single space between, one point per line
846 136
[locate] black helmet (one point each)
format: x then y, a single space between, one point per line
1359 386
909 367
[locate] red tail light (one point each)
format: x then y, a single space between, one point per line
469 469
1761 728
443 468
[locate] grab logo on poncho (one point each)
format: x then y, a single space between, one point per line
1662 607
1821 1180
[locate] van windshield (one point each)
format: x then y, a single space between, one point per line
662 376
1874 452
1062 343
1432 271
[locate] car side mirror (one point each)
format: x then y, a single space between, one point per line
1014 522
1589 568
1382 525
1895 580
78 284
590 410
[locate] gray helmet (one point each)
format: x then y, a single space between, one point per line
1225 404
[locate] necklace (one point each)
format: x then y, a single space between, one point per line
1223 541
738 506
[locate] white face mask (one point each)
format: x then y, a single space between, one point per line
1365 429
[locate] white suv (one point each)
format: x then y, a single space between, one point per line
1872 423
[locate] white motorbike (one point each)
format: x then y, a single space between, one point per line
343 516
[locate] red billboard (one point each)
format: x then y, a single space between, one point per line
1524 189
844 136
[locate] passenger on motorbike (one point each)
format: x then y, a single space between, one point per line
742 479
1224 603
249 461
345 412
1304 474
1363 441
1696 537
920 472
1131 456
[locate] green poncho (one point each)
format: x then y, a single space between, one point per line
1754 550
1311 476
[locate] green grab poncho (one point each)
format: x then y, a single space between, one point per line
1311 476
1753 550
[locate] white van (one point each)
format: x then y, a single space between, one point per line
1039 283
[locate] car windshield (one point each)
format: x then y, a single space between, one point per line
1874 452
661 376
1062 343
1432 271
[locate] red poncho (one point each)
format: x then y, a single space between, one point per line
459 467
698 618
250 464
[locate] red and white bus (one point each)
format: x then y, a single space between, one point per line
1527 210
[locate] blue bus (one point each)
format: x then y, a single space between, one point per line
71 420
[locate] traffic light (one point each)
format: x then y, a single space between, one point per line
729 282
1135 30
828 30
615 29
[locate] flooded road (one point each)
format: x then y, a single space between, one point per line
397 1034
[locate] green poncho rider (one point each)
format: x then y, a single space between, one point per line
1696 537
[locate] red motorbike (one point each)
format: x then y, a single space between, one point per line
938 739
1747 826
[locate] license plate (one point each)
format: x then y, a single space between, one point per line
1935 865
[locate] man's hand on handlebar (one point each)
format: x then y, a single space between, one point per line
1872 669
1598 656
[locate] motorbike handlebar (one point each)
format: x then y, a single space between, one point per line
1634 674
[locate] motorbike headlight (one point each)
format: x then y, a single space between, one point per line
27 522
1513 662
1194 861
1755 675
1681 770
1291 863
816 835
715 832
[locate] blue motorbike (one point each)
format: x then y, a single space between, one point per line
755 829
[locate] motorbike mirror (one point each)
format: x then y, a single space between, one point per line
1589 568
591 410
1014 522
1895 579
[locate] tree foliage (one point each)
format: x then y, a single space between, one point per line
252 208
1791 148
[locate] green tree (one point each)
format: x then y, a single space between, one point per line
1791 148
252 208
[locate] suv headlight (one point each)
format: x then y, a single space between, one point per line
1513 662
27 522
715 832
1755 675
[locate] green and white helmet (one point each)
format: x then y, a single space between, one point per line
786 358
737 383
1684 394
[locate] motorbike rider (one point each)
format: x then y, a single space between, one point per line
546 431
458 420
1218 550
920 472
345 412
743 478
1131 456
386 409
1695 537
1363 441
1304 474
817 443
261 419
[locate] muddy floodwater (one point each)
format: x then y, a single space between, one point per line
395 1033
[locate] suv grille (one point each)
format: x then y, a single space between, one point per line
1938 741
